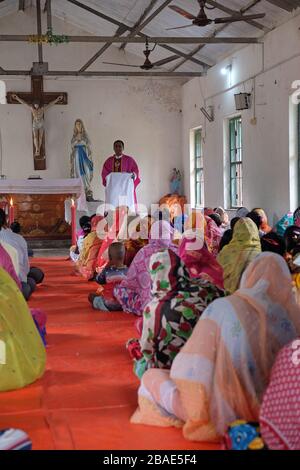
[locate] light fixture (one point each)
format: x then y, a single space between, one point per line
226 70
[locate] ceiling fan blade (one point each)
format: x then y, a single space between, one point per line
161 62
121 65
182 12
233 19
180 27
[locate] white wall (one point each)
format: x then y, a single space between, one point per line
145 113
268 147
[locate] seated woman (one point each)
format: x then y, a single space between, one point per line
200 263
112 275
213 235
39 317
7 264
224 218
273 242
86 264
25 356
135 291
279 414
241 250
264 225
85 228
177 304
223 370
284 223
296 217
292 256
134 244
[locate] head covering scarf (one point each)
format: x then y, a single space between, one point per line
283 223
296 217
224 217
13 254
135 291
213 235
273 242
223 370
200 263
280 410
176 305
292 238
25 352
242 212
241 250
264 227
208 211
6 263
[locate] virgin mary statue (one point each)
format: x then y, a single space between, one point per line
81 158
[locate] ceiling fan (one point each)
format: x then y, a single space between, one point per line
202 20
147 65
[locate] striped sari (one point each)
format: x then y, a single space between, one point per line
221 373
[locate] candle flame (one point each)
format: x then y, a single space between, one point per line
11 201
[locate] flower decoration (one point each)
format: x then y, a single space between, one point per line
48 38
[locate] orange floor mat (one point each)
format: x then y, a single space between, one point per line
88 392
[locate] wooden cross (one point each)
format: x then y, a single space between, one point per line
37 95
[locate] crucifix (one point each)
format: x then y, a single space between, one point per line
38 102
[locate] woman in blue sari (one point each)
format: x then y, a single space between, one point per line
81 158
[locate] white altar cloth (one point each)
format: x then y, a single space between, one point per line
42 186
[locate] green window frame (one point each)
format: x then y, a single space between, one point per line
236 162
199 170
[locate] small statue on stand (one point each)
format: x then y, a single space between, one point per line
176 182
81 158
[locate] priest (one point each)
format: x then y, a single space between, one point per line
120 176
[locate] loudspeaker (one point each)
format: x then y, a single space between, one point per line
242 101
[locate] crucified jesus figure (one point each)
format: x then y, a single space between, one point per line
37 112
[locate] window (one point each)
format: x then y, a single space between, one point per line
198 166
236 165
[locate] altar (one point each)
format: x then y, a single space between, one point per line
39 205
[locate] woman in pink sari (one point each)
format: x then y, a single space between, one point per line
200 263
135 291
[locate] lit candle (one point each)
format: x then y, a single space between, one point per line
11 212
73 222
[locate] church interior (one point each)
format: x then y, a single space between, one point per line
150 225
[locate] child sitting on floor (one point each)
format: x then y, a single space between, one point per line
113 274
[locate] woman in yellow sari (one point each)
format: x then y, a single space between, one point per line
22 353
235 257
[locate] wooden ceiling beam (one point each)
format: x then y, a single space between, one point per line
141 40
129 28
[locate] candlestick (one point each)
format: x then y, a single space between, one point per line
11 212
73 222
